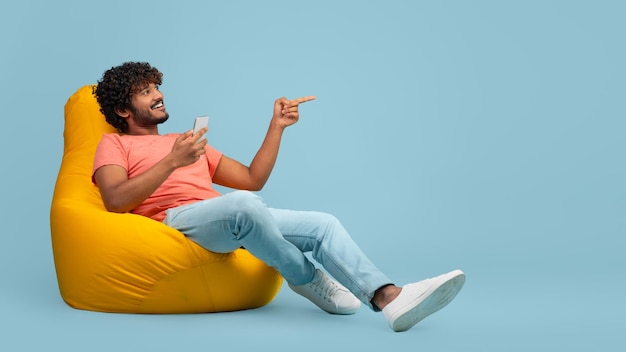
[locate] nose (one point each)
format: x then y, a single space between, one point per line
157 94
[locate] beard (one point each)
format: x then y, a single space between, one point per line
144 117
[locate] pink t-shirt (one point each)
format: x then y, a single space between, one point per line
137 154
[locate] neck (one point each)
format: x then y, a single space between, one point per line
142 131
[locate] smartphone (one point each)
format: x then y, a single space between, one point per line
199 123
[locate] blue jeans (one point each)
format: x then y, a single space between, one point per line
279 238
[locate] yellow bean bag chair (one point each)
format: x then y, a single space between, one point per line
128 263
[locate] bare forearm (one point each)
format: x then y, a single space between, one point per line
263 163
233 174
122 194
126 195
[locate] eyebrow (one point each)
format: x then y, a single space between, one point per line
141 88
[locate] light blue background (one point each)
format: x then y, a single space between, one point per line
483 135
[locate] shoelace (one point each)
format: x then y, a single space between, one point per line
325 288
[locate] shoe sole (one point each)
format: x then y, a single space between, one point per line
438 297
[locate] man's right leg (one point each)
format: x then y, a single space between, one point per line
241 219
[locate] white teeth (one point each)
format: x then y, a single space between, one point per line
157 105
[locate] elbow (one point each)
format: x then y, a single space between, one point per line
254 187
257 185
116 210
114 207
254 184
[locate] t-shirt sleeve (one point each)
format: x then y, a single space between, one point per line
213 156
110 151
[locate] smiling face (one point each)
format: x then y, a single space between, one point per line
132 89
147 108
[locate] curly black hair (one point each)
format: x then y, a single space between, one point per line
118 84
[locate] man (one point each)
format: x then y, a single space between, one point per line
169 178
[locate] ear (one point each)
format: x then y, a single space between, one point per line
124 113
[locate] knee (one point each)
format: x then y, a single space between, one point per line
246 203
329 222
243 196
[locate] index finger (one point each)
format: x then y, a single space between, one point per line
200 133
301 100
185 135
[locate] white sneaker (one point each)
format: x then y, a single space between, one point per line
418 300
329 295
